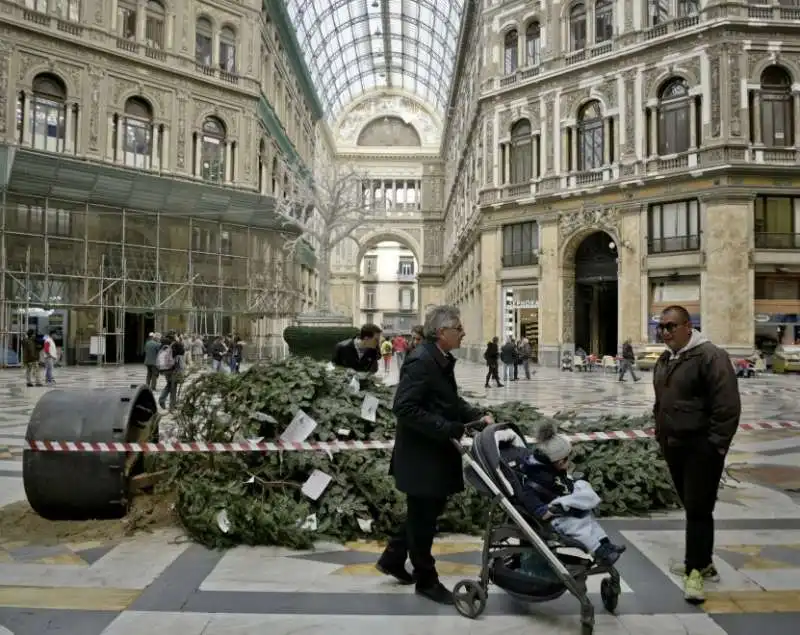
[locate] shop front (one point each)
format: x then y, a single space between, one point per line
521 314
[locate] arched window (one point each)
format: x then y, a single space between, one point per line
673 117
275 175
154 24
126 19
65 9
777 122
510 54
687 7
521 152
203 41
590 137
262 165
603 21
577 27
48 113
212 150
227 50
533 44
137 134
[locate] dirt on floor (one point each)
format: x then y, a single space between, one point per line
19 523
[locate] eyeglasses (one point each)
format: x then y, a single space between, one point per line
458 328
669 327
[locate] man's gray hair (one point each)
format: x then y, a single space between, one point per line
440 317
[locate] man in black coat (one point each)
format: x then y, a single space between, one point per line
360 353
425 463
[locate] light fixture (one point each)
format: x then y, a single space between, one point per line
378 32
375 4
612 246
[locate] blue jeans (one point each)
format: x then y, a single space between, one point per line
49 363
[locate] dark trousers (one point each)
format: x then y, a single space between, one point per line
493 374
696 469
152 376
414 539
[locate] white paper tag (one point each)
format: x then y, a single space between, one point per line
222 522
354 385
343 432
263 416
310 523
330 367
369 407
365 524
252 479
316 484
329 453
299 429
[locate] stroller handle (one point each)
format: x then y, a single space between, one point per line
471 426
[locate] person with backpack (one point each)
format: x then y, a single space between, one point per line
169 361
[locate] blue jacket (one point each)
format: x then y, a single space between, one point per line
151 349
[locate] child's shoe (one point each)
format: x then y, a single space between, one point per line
608 553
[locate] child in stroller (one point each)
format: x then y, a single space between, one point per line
549 493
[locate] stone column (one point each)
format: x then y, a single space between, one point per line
549 300
27 134
607 141
120 137
727 284
653 131
198 154
506 163
564 152
796 116
69 129
78 129
574 149
165 149
693 125
756 117
110 138
141 16
632 225
490 256
215 62
155 150
534 157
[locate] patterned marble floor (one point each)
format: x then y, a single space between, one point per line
111 589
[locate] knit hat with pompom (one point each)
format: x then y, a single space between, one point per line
553 445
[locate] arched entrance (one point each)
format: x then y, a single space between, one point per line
596 305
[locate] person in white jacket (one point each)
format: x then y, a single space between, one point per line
49 356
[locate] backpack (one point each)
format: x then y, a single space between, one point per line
165 361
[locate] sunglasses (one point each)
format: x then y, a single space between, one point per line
668 327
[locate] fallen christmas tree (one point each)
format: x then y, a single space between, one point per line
260 499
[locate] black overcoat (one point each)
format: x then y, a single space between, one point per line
430 414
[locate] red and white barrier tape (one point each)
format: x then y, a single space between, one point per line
332 446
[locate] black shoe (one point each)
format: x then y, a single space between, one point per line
436 592
30 385
397 571
608 553
499 385
486 386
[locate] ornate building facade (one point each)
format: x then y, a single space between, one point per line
606 159
142 147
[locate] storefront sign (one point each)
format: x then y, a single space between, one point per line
526 304
762 317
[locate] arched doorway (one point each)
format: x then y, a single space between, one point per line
596 306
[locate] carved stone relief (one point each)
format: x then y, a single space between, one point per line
630 113
183 100
716 122
571 224
405 108
628 15
26 62
489 151
98 13
96 87
570 101
505 123
549 103
568 313
5 61
434 242
734 81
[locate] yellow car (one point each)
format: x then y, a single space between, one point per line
786 359
647 356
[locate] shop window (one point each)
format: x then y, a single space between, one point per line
776 222
154 24
777 121
520 245
126 19
203 41
674 227
590 137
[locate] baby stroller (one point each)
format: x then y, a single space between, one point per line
506 543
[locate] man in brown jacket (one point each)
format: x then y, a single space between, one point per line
697 412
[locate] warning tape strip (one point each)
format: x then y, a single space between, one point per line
331 446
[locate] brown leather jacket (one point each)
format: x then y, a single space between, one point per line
697 397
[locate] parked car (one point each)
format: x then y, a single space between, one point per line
647 357
786 359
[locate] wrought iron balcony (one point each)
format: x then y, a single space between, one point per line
673 244
767 240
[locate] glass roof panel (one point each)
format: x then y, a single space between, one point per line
348 52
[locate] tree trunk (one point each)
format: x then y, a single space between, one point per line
324 269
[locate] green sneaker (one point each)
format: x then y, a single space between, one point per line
709 573
693 587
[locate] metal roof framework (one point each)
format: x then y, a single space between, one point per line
356 46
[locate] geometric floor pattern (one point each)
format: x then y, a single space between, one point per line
162 584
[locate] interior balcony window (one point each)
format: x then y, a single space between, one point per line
203 42
227 50
590 137
520 244
274 175
521 152
154 25
777 121
137 134
533 44
685 8
212 150
37 5
126 19
674 227
776 222
577 27
674 117
68 10
603 21
510 54
48 114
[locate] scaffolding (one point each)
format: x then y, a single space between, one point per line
99 274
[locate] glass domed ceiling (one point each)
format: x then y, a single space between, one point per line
355 46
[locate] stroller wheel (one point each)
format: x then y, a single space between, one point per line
469 598
609 595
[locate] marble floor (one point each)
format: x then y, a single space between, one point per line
161 583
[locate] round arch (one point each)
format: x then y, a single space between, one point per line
569 247
663 78
383 93
47 69
371 239
790 67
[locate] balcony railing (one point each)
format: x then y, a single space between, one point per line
520 259
766 240
673 244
